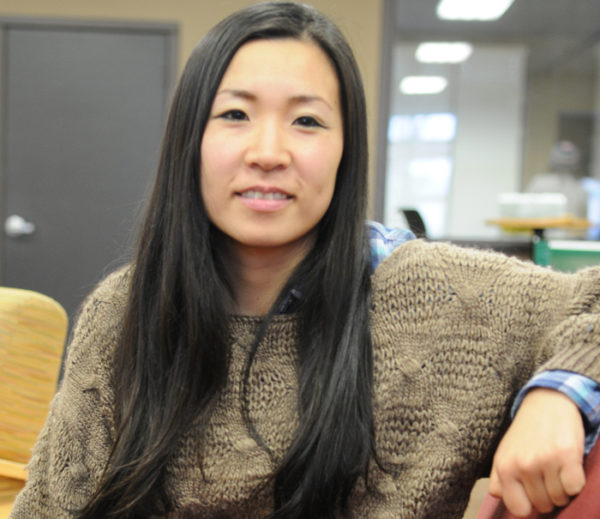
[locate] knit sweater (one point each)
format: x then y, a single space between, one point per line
456 333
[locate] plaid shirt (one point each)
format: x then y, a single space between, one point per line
584 391
384 240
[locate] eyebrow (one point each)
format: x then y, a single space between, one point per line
298 99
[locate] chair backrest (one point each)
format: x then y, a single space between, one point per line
415 222
33 328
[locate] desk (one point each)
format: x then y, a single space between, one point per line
539 225
566 255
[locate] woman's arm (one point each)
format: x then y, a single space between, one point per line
69 456
539 462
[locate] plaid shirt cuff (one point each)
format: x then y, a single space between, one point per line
584 392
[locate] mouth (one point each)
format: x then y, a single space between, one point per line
264 199
268 194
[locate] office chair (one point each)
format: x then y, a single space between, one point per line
415 222
33 328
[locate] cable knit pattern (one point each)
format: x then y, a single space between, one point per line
456 333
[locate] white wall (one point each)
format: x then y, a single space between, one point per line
483 157
488 146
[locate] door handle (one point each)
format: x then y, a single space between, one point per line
16 226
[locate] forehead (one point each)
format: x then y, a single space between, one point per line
286 60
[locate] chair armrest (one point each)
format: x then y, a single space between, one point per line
12 469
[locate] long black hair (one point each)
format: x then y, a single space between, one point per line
172 358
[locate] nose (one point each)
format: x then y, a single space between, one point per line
268 148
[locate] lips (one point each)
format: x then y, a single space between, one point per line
264 193
264 199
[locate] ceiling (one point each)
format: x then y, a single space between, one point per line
560 34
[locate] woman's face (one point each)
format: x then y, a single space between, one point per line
272 144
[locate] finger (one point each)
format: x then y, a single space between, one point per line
515 498
535 489
572 478
555 488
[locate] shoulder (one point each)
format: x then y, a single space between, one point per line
432 266
108 299
431 256
114 285
98 323
426 256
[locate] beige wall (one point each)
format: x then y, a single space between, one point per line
358 19
548 96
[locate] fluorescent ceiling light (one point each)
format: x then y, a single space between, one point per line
472 9
418 85
443 52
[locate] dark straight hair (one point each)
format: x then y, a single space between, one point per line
172 359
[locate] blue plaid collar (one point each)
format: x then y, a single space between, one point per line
382 241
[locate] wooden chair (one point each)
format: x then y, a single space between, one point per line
33 328
584 506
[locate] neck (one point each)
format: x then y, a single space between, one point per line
259 274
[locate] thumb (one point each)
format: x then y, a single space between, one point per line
494 487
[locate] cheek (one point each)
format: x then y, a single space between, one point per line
217 152
214 167
322 167
209 181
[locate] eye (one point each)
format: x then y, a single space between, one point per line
234 115
308 121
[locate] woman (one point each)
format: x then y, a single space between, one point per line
249 363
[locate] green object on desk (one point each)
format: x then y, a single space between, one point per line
566 255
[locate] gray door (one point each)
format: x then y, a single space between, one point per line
82 115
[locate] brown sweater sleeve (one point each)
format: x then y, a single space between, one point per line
546 319
72 449
576 338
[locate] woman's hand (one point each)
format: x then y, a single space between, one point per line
539 462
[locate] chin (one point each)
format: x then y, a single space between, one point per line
265 243
267 240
